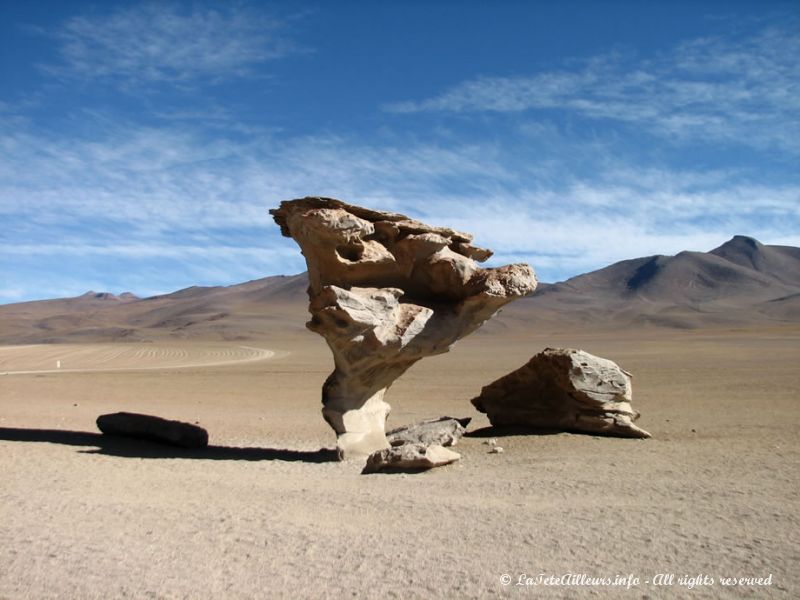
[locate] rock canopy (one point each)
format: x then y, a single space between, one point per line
385 291
566 390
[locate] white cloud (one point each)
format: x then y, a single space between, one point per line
145 251
169 208
10 294
185 207
183 199
590 224
164 42
739 91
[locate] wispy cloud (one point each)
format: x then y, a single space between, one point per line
162 42
181 197
173 207
743 91
141 251
10 294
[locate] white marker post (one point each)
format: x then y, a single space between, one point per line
58 364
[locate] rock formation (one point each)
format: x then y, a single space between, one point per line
386 291
410 457
565 390
174 433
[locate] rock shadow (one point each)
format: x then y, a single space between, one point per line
509 430
505 431
125 447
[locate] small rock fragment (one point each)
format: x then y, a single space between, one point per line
148 427
444 431
409 457
496 450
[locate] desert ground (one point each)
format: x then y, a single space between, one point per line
268 512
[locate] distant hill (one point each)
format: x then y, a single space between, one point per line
246 311
743 282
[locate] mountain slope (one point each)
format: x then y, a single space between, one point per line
250 310
778 262
742 282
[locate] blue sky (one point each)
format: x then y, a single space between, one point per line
141 144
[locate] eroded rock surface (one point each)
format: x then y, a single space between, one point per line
410 457
148 427
444 431
566 390
386 291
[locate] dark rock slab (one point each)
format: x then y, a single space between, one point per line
148 427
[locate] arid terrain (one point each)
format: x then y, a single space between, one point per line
267 511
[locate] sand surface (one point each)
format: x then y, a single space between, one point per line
31 359
267 512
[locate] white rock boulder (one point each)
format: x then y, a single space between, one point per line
564 390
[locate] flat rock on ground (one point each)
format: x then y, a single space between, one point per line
148 427
410 457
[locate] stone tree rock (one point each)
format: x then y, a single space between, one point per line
566 390
386 291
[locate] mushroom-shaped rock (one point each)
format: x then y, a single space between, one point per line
386 291
565 390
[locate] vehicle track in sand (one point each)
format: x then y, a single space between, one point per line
81 358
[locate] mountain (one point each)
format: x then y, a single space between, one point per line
251 310
742 282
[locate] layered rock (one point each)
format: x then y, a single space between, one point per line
565 390
386 291
444 431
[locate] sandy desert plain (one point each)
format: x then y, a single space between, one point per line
266 511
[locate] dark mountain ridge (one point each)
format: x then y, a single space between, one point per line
742 280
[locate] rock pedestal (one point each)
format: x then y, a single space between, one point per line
386 291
